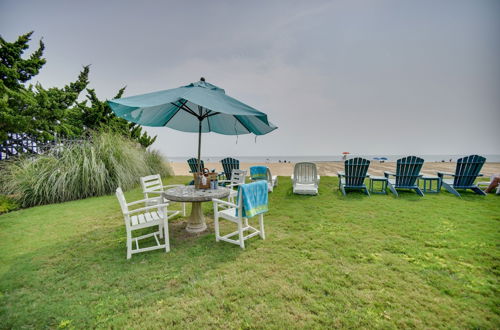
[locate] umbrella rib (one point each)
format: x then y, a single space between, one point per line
212 114
178 108
186 108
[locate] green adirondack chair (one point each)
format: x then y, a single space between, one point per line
228 165
407 173
353 178
467 171
193 165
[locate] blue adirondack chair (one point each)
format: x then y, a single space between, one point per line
353 178
193 165
228 165
407 173
467 171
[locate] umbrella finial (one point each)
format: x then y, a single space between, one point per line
202 79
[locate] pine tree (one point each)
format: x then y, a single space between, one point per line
43 113
16 103
100 116
14 70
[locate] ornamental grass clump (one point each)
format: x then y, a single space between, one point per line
92 167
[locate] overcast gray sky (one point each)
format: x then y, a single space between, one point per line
369 77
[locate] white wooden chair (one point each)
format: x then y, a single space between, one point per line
237 178
149 216
227 210
272 180
485 184
305 179
152 184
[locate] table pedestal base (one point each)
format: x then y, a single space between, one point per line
196 221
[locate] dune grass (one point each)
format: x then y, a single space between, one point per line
93 167
328 261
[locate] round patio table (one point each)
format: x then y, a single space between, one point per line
196 221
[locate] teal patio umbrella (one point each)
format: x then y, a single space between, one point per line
199 107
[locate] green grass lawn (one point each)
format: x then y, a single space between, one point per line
328 261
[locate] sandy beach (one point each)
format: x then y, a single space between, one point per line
331 168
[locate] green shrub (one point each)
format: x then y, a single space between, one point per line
90 168
7 204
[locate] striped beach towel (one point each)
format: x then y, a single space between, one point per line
254 199
258 172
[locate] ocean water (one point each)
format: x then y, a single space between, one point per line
335 158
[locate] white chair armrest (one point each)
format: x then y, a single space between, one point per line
142 209
152 192
234 185
226 203
153 199
483 183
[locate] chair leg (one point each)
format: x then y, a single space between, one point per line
367 191
240 234
450 189
216 224
129 245
167 239
261 226
419 191
342 189
478 191
160 229
183 209
392 189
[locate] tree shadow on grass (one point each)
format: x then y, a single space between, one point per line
408 195
290 194
351 195
88 279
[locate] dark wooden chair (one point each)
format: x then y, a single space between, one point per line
466 173
193 165
228 165
407 173
353 178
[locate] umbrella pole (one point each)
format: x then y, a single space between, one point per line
199 147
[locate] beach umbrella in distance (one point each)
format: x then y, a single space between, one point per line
199 107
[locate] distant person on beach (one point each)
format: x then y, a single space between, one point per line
495 181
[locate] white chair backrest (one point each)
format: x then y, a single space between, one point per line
269 176
305 173
121 199
238 176
239 202
151 183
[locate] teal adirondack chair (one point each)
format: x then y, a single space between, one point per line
228 165
193 164
467 171
353 178
407 173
